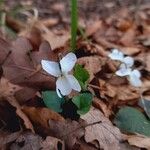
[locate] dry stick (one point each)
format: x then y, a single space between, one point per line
94 86
12 100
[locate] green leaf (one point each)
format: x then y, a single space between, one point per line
82 75
83 102
131 120
52 100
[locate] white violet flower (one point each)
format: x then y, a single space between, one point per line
123 71
65 82
116 55
134 78
128 61
125 68
133 75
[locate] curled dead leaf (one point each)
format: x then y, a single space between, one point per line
41 116
101 130
139 141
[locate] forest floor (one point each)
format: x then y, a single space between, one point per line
119 116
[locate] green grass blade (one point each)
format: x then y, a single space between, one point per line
74 24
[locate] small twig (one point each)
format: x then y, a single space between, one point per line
94 86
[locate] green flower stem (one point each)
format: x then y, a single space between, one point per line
74 24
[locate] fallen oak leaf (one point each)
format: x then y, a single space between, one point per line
138 141
130 50
52 143
69 131
95 27
7 88
6 138
107 135
41 116
27 141
12 100
7 92
124 93
99 104
24 62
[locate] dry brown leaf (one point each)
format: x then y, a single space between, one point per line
56 41
7 92
124 24
27 141
52 143
41 116
101 130
92 63
130 50
89 47
23 68
69 131
139 141
147 60
128 38
50 22
96 25
7 88
99 104
6 138
124 93
12 100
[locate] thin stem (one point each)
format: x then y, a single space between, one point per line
74 24
112 75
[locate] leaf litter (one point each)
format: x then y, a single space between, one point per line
22 79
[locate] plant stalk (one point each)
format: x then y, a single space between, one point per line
74 24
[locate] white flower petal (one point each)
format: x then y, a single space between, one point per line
68 62
63 85
123 71
134 81
134 78
129 61
58 93
51 67
136 73
116 55
73 83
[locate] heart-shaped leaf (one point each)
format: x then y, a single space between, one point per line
52 100
83 102
131 120
81 75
